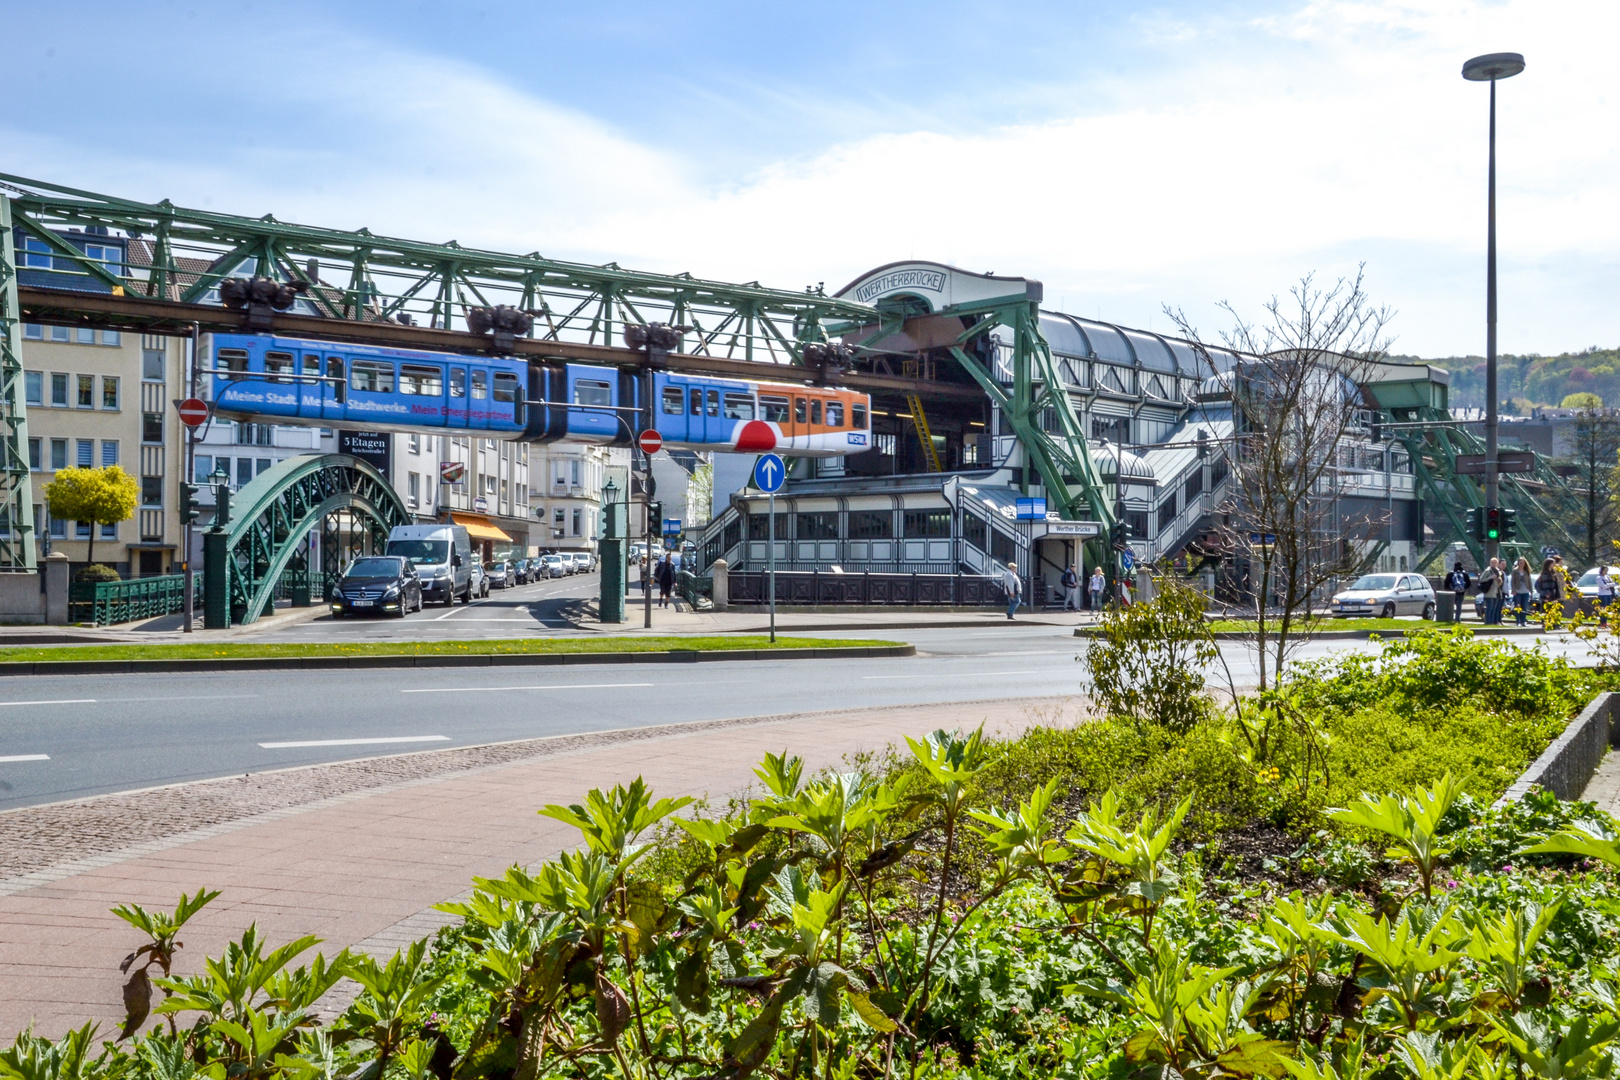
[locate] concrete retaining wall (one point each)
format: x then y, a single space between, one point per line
1567 765
38 598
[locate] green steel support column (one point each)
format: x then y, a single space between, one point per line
16 487
216 578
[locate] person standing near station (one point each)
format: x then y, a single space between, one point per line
1098 585
665 576
641 571
1458 581
1521 582
1071 589
1490 589
1605 591
1014 587
1548 583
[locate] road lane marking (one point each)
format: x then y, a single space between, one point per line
58 701
187 697
963 674
26 757
355 742
557 686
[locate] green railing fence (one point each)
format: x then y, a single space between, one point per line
107 602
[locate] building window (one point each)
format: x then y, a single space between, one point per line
59 389
34 387
152 427
151 491
85 335
261 464
244 471
416 444
489 485
109 452
579 519
415 489
109 391
33 454
58 454
822 526
81 530
111 337
152 365
86 457
557 520
870 525
58 528
109 532
60 333
927 523
202 469
573 472
86 398
33 331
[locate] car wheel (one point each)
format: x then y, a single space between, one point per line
1388 612
1428 611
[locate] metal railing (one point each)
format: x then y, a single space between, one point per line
693 587
815 588
105 603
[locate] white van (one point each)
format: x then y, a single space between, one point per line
441 556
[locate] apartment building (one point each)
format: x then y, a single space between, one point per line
104 397
489 493
567 499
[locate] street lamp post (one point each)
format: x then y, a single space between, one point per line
1489 68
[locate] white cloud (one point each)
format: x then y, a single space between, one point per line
1337 133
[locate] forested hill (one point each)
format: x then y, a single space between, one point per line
1532 380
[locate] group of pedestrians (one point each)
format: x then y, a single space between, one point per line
1097 586
1497 583
663 575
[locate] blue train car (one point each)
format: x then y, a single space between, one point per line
269 378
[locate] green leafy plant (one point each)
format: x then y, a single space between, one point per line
1412 821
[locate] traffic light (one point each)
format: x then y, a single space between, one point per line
1510 523
655 518
189 510
1493 523
1118 534
1476 523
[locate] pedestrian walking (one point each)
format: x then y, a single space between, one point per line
1071 589
1521 582
1097 586
1490 589
665 576
641 572
1458 581
1605 592
1548 583
1014 587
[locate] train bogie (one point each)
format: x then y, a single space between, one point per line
266 378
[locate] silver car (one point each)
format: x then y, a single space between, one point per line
1384 596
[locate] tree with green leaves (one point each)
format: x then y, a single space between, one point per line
96 496
1595 457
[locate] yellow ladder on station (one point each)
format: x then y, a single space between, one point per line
919 419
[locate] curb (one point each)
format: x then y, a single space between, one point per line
354 663
1570 760
1355 635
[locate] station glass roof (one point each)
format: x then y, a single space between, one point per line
1071 335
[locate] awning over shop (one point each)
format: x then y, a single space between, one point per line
480 528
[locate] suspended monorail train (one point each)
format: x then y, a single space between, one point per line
273 379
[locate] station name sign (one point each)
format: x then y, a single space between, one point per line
898 280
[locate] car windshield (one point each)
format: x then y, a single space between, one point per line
1374 583
419 552
1588 578
382 566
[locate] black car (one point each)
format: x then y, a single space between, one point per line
377 583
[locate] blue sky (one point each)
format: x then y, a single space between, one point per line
1128 155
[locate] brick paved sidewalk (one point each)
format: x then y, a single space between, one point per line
356 853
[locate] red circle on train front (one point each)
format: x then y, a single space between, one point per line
756 435
651 442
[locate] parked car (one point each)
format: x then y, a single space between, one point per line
523 569
554 565
590 560
441 555
377 583
581 561
500 575
1385 596
479 582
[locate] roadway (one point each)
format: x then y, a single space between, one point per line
64 737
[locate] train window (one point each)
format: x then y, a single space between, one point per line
592 392
674 400
774 409
739 406
857 415
697 403
798 410
815 411
334 375
480 384
372 376
714 403
278 366
506 386
312 370
233 363
835 414
458 382
421 379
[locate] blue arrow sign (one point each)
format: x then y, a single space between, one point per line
769 472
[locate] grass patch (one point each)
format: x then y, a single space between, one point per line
257 650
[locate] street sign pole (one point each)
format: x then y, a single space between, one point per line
769 473
771 555
650 442
189 464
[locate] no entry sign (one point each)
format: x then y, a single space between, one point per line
651 442
193 412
